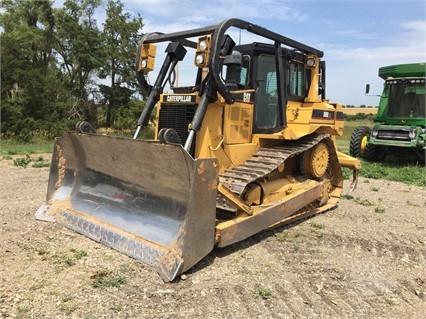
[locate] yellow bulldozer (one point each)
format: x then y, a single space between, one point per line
250 145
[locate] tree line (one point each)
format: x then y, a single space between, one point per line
60 66
361 106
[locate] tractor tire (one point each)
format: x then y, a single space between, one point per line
358 143
374 153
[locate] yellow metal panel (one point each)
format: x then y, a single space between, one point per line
305 118
210 140
238 122
239 153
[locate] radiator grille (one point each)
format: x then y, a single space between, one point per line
178 117
393 135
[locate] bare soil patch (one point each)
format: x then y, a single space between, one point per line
365 259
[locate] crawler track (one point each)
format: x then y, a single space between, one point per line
268 159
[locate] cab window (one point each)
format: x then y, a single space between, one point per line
296 78
266 105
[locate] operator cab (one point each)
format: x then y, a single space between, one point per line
255 66
406 99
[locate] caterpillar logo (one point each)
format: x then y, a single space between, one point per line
182 98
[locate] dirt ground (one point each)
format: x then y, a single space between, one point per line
365 259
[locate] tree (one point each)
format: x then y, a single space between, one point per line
121 34
29 90
52 59
79 44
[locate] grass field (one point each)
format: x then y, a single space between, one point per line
36 146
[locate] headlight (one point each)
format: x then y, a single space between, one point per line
199 59
310 62
203 45
202 54
412 134
375 133
147 57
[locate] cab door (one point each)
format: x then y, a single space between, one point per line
269 97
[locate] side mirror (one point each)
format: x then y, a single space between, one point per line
367 88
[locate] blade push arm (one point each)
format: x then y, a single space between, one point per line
175 52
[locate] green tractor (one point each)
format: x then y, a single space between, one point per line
400 124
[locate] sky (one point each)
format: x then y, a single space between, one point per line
357 36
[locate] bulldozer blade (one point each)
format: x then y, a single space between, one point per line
151 201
